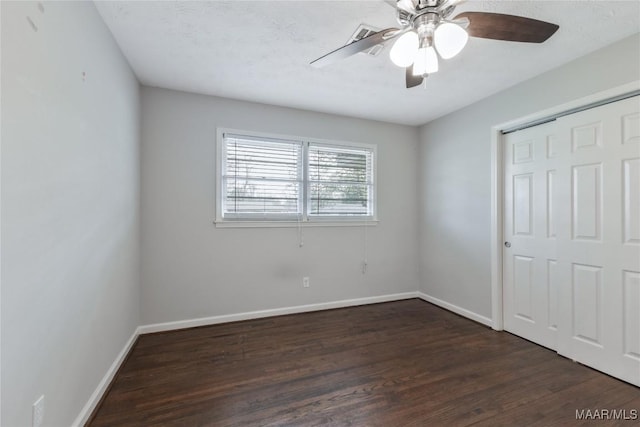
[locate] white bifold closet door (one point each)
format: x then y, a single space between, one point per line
530 261
572 215
599 238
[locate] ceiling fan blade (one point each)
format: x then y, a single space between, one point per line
355 47
412 81
462 22
448 3
407 5
498 26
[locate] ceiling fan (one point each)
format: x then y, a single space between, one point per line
427 33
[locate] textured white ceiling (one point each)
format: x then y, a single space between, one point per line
260 51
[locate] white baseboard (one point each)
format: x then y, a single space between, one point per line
204 321
454 308
93 401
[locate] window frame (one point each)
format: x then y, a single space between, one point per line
305 218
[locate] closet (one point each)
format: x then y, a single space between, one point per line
571 228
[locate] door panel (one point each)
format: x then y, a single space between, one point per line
587 202
551 225
587 303
631 201
523 204
522 287
631 283
552 294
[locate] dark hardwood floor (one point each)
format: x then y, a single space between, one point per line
405 363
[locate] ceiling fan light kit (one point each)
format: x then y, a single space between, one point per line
427 32
404 49
450 39
425 61
430 29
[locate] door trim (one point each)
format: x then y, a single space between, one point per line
497 176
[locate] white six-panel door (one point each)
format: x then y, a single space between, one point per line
530 262
599 238
571 277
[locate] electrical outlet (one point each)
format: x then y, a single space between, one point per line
305 282
38 412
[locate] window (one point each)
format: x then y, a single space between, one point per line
278 179
340 181
262 178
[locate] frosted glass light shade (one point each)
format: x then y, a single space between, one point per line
426 61
404 49
450 39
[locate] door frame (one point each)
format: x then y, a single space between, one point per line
497 188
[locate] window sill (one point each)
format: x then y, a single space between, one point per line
295 224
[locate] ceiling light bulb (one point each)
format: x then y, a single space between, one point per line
450 39
404 49
426 61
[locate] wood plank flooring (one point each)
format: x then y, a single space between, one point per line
404 363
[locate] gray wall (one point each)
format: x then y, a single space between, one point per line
72 204
192 269
455 174
70 207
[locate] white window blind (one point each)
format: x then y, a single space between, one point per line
271 179
340 181
262 177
